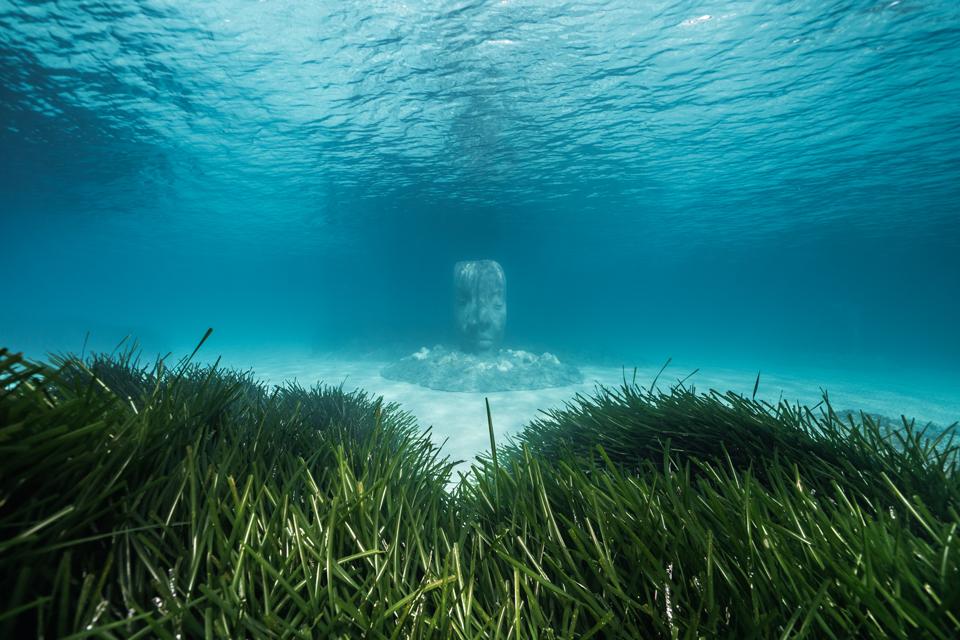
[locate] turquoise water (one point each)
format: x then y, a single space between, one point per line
753 186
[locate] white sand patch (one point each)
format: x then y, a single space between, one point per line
460 417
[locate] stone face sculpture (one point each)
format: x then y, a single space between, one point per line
480 365
480 290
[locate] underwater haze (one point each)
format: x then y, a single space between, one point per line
738 185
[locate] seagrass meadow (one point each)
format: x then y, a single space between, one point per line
180 500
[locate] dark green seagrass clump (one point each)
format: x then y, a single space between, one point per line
189 501
195 502
636 513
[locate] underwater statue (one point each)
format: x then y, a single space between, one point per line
480 364
481 304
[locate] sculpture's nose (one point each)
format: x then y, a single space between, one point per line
480 318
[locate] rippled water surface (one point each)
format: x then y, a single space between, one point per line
752 184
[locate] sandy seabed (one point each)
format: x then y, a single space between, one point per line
459 418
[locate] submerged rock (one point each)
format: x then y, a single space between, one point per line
503 370
889 424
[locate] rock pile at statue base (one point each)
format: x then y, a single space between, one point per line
444 369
